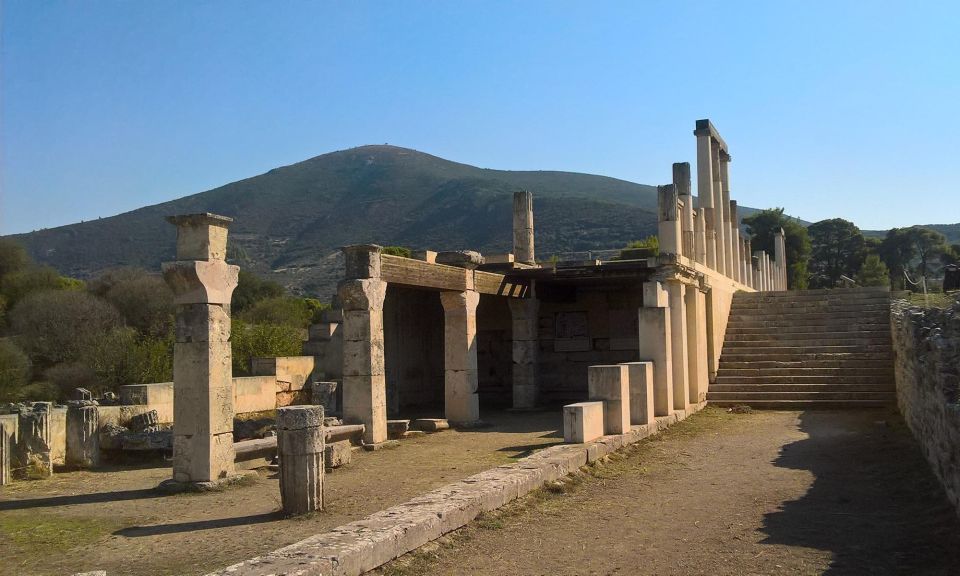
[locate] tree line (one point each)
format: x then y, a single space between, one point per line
59 333
821 254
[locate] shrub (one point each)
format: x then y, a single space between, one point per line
144 299
14 371
251 289
397 251
283 310
263 340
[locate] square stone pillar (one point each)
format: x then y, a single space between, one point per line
748 262
735 262
697 375
700 237
641 392
780 256
678 329
758 270
705 193
681 181
611 385
361 295
656 346
461 403
523 249
202 283
721 217
83 434
727 216
668 220
5 445
525 319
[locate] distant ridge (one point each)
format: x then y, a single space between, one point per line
291 221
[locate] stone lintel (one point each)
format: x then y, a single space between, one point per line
468 259
706 128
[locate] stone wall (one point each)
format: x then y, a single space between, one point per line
926 344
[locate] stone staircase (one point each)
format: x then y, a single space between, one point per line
807 349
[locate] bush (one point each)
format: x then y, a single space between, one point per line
316 308
263 340
69 376
14 371
144 299
39 392
873 272
251 289
650 242
58 326
18 285
397 251
283 311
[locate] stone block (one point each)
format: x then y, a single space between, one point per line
361 295
337 454
300 447
325 394
656 347
430 424
83 436
201 236
397 428
611 385
460 258
201 282
641 392
428 256
362 260
365 402
5 477
363 358
582 422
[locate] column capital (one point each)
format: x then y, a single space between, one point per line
362 294
362 260
201 281
460 301
201 236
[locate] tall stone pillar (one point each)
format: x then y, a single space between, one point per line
461 403
35 444
83 434
735 262
681 181
679 344
727 216
656 345
668 220
705 195
300 443
361 295
780 256
525 315
748 262
523 250
700 237
758 270
203 284
697 376
721 217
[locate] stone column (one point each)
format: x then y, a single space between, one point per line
361 294
721 216
525 315
203 284
700 237
681 181
780 255
758 270
83 434
34 444
523 227
725 203
668 220
656 345
748 262
697 376
300 450
461 403
705 195
736 263
4 455
679 342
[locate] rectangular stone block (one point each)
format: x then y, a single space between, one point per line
656 347
4 455
365 402
611 385
641 392
582 422
337 454
363 358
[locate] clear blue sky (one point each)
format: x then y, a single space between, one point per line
830 108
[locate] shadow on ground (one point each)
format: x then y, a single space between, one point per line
92 498
874 504
140 531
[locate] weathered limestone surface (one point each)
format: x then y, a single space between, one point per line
364 380
697 357
300 446
678 343
34 445
337 454
669 225
681 181
523 246
611 385
525 350
5 438
361 546
582 422
926 344
203 284
461 403
640 375
83 434
656 345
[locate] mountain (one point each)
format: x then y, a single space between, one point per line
951 231
290 222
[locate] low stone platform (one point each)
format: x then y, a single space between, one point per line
363 545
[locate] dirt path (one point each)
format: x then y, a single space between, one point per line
113 520
840 493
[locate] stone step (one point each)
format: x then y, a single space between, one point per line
778 328
869 344
771 336
804 404
763 364
801 355
800 388
887 380
748 397
806 371
787 317
819 293
810 304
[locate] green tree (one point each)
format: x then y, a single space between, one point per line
263 340
282 311
873 272
838 248
650 242
144 299
950 255
251 289
897 251
397 251
15 286
14 371
13 257
763 225
928 244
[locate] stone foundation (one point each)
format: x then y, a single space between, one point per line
926 344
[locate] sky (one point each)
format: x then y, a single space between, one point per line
830 109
